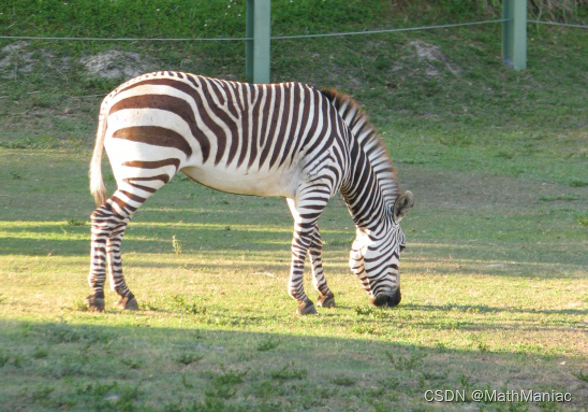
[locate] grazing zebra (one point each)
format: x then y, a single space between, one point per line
289 139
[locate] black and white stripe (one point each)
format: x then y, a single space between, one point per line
289 139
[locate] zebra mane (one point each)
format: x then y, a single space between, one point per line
364 132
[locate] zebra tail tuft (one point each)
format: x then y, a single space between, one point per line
97 187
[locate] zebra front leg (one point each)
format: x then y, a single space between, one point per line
300 245
326 297
306 209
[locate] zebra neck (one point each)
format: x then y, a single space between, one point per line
362 192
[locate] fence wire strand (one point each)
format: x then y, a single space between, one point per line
553 23
285 37
352 33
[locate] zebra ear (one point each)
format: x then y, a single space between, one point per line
402 205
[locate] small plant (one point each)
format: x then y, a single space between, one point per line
4 358
42 394
132 364
186 384
80 306
15 175
224 384
343 380
189 308
289 372
363 311
548 198
483 347
74 221
582 376
176 245
269 344
582 218
188 358
578 183
505 154
409 363
40 353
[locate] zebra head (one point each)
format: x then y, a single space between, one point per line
375 254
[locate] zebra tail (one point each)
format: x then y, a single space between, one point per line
97 187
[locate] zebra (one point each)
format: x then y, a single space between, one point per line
288 140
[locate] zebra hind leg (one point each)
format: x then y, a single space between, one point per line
108 223
117 280
326 298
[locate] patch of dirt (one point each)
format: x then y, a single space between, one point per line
17 58
431 54
113 64
13 56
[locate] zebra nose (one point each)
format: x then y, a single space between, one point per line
387 301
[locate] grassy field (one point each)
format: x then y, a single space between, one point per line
494 279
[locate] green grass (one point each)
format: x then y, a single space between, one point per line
493 280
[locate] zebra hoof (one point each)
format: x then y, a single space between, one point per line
128 303
306 307
326 301
95 303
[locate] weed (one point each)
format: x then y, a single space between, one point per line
4 358
483 347
190 308
268 388
131 363
505 154
224 384
582 376
40 353
363 328
187 385
268 344
578 183
189 358
74 221
42 394
364 311
289 372
545 406
582 218
553 198
410 363
176 245
15 175
229 377
344 380
80 306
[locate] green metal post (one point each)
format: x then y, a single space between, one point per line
514 34
257 62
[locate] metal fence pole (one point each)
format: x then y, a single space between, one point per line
257 61
514 34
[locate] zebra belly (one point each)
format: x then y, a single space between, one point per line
270 183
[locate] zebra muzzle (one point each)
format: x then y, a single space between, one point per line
386 301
